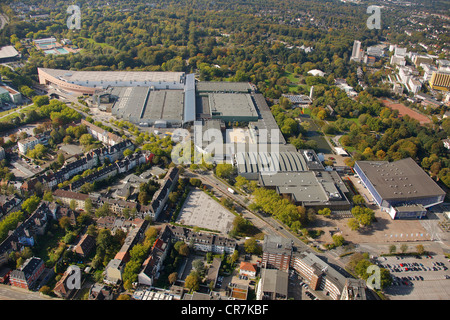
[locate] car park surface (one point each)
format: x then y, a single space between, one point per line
426 278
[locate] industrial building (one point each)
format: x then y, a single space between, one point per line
158 99
313 189
400 188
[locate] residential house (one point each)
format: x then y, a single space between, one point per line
203 241
153 264
67 197
85 246
9 204
28 273
247 269
30 142
160 197
114 269
61 289
99 291
101 134
213 272
25 234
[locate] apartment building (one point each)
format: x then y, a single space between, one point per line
27 274
280 254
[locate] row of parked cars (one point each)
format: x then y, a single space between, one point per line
407 281
414 266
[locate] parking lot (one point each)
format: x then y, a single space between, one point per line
426 278
201 210
298 289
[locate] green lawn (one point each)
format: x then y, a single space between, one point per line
6 116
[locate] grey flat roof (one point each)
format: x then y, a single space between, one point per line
189 99
275 281
255 162
402 179
307 187
131 101
223 86
164 105
8 52
83 76
277 245
142 103
266 121
230 104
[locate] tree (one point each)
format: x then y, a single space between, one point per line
338 240
39 101
420 249
392 248
184 250
404 248
173 277
225 170
86 139
31 204
192 281
199 267
48 196
64 223
324 212
88 206
127 152
251 246
358 200
45 290
353 224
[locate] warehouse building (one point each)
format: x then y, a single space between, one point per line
251 163
400 188
158 99
310 189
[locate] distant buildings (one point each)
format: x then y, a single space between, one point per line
29 143
8 94
101 134
440 80
357 53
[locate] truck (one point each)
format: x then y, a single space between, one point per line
230 190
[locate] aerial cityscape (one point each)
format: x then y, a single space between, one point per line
238 151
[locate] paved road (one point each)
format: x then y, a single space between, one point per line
3 20
12 293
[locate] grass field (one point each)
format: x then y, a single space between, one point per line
6 116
